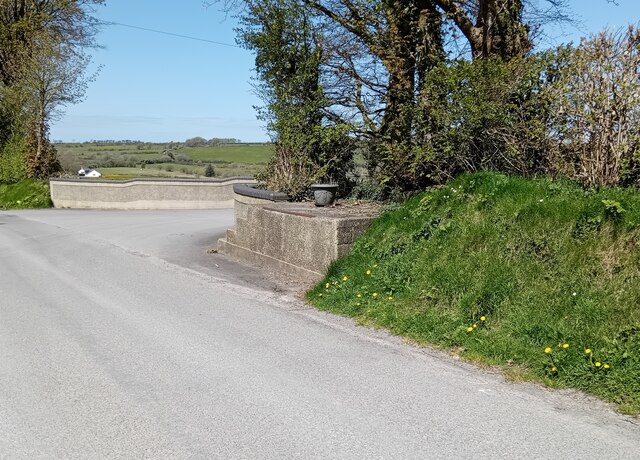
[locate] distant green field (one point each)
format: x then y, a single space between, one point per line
233 153
124 160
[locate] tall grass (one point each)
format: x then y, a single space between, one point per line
539 277
27 194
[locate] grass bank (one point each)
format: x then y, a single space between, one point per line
538 277
27 194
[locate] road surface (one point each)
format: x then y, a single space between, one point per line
121 338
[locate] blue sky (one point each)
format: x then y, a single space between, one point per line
158 88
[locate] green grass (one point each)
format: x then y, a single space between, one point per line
27 194
222 170
232 153
499 269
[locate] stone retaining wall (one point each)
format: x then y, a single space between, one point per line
147 193
294 239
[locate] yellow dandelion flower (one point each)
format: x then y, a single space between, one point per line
587 351
359 295
475 325
327 285
390 298
565 345
547 350
483 318
368 272
470 329
598 364
606 366
554 369
345 278
375 294
358 304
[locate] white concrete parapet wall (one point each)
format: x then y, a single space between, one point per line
147 193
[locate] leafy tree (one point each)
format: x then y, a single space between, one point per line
42 65
196 142
50 78
309 145
209 171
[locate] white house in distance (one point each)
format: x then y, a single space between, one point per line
88 172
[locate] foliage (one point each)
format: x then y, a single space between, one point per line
489 115
12 162
309 145
290 171
501 268
42 69
215 141
209 171
597 110
27 194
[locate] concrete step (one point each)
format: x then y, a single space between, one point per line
232 236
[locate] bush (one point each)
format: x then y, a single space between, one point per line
12 162
209 171
180 158
290 171
596 107
487 115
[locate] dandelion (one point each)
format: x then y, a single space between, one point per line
483 318
345 278
375 294
470 329
390 298
565 345
606 366
587 351
327 285
574 294
359 295
554 369
474 326
358 304
598 364
368 272
547 350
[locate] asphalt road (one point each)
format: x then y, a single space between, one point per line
121 338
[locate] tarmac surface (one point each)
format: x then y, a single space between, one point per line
121 337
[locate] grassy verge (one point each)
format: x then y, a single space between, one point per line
27 194
541 278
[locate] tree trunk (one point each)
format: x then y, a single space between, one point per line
496 30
